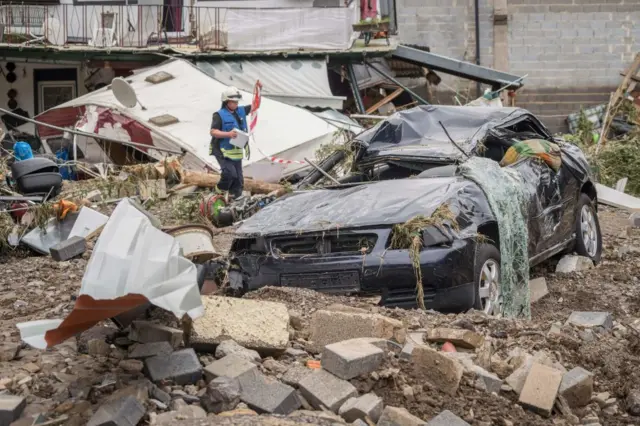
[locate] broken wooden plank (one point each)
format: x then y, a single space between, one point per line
385 100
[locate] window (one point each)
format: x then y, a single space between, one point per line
54 93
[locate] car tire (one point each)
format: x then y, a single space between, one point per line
487 280
587 228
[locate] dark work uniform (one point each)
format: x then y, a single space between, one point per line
231 179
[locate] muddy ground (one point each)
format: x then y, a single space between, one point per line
36 287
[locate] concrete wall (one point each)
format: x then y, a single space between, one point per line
572 50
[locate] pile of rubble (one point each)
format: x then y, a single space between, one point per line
339 364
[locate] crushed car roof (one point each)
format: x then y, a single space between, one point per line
416 132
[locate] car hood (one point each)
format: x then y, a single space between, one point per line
382 203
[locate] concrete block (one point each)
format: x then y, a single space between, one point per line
368 405
351 358
11 408
438 369
541 389
222 394
538 289
322 388
295 374
182 367
329 327
459 337
413 339
576 387
123 411
254 324
267 395
147 350
148 332
447 418
229 347
68 249
569 264
591 319
395 416
232 366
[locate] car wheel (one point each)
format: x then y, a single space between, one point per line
588 237
488 297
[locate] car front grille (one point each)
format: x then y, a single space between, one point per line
335 243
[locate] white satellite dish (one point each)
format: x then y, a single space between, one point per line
124 93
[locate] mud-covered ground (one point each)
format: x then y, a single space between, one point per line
36 287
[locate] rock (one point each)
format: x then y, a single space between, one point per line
124 411
322 388
329 327
440 370
223 394
148 332
538 289
395 416
591 319
517 379
351 358
633 402
413 339
486 381
147 350
295 319
181 416
232 366
229 347
369 405
98 347
576 387
131 365
295 353
295 374
254 324
31 368
408 393
9 351
540 389
68 249
160 395
159 404
139 390
569 264
459 337
11 408
267 395
274 366
447 418
182 367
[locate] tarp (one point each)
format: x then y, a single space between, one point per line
133 263
417 132
192 97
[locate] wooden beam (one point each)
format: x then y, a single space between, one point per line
385 100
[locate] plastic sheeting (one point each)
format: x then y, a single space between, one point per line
132 263
417 132
507 196
287 29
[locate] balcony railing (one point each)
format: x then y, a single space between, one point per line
199 28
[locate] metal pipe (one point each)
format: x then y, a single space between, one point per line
353 82
387 76
327 175
91 135
477 19
330 162
369 117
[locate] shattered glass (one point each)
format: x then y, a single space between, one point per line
506 192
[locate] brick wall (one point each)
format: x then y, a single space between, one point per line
572 50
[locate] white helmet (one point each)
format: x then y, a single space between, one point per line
231 94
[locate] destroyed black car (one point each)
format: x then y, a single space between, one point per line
340 238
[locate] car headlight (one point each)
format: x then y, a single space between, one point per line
434 236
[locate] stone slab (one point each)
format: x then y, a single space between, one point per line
438 369
123 411
351 358
324 389
11 407
182 367
461 338
368 405
591 319
538 289
541 389
147 350
576 387
148 332
267 395
395 416
232 366
295 374
254 324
